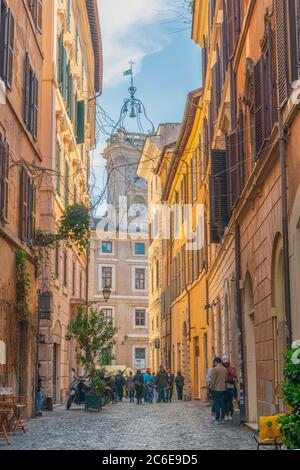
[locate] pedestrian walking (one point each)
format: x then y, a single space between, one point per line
218 387
130 387
162 383
170 386
154 387
120 382
148 386
231 391
179 382
209 390
139 386
38 393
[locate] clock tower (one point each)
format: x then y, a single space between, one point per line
119 256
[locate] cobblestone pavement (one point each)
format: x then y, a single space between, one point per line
125 426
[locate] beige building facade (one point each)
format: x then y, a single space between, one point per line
72 78
118 253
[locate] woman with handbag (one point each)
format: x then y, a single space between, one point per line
231 390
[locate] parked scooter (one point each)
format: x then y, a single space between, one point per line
78 389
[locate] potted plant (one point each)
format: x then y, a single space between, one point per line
94 337
290 423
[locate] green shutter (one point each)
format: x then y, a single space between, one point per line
64 73
70 95
67 184
58 168
80 122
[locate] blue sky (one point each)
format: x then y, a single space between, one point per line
167 61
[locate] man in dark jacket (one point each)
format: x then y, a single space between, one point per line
179 382
120 382
162 383
170 385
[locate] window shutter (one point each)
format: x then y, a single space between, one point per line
204 62
64 73
26 88
233 168
23 204
241 151
31 209
4 163
233 94
39 15
224 42
35 105
70 96
282 48
9 48
214 95
67 184
258 106
80 122
219 215
58 168
218 82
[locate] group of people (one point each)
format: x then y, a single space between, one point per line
221 383
149 386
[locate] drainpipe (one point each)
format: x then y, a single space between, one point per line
238 305
285 229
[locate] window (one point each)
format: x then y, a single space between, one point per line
67 183
107 314
140 248
58 167
140 317
107 276
157 273
65 278
73 277
57 253
7 35
140 278
36 8
140 358
4 163
27 208
106 247
62 66
80 284
31 98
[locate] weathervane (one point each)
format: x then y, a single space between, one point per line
133 107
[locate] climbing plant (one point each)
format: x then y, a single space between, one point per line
23 283
73 228
290 423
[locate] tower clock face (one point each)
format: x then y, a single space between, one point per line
138 209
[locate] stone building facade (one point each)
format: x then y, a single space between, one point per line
118 258
72 77
21 68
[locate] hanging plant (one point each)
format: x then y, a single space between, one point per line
74 226
23 283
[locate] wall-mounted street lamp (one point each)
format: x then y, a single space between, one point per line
106 291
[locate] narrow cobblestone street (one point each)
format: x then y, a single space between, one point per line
125 426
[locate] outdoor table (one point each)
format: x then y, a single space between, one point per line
4 423
16 406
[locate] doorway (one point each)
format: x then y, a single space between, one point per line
56 375
250 350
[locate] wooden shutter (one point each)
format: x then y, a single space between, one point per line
259 132
70 95
241 151
4 163
39 15
204 62
67 183
233 168
26 88
58 167
80 122
282 48
9 48
64 72
224 35
218 81
219 215
24 182
31 211
35 106
233 95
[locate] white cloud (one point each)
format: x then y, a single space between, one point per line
131 29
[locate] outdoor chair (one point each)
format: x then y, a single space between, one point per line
268 433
